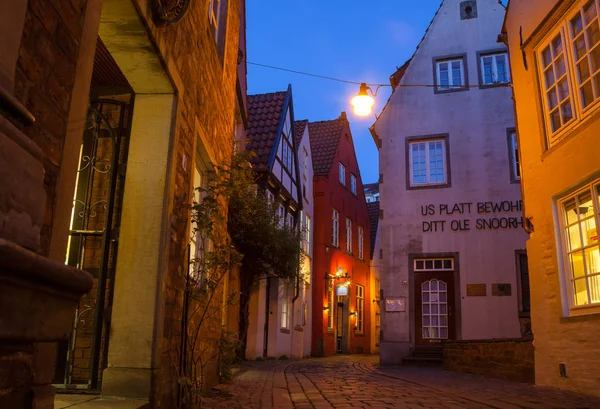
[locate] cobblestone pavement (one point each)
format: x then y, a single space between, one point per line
357 382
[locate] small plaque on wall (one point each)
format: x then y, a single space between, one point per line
476 290
501 290
395 304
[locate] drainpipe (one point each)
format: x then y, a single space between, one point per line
527 225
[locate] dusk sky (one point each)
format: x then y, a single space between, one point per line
351 40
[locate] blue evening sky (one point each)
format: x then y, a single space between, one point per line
353 40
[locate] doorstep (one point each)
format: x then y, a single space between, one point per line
71 401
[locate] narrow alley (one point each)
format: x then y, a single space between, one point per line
357 381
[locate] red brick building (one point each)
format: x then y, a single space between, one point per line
341 289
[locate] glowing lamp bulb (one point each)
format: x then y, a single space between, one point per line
363 102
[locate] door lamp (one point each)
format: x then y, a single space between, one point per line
363 102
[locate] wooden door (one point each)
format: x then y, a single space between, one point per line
434 308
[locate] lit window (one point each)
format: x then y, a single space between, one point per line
450 74
307 235
283 297
579 217
515 168
342 172
494 69
427 162
335 228
360 242
200 244
360 308
330 305
349 235
353 184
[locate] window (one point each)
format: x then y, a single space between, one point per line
307 235
427 162
288 155
450 74
353 184
270 196
284 303
360 308
361 239
569 69
335 229
290 220
330 305
305 165
348 235
579 221
523 282
280 215
513 149
437 264
494 69
214 15
199 243
342 174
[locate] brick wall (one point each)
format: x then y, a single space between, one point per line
209 82
44 82
505 359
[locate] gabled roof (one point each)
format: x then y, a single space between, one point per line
299 129
369 187
324 139
373 208
264 117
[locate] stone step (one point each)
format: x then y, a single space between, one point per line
422 361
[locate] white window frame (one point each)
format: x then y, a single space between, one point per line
348 235
360 309
361 239
289 220
305 164
342 174
579 112
353 184
494 56
335 228
214 17
593 244
199 246
270 196
451 85
428 182
285 308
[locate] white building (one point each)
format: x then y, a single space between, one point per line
279 310
451 227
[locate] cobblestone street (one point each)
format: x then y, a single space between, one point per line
357 382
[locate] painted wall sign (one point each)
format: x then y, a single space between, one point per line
484 222
395 304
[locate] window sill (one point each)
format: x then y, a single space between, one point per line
497 85
429 186
570 130
330 330
284 330
298 328
450 91
584 310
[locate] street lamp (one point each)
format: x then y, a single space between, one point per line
363 102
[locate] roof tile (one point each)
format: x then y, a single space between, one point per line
324 139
